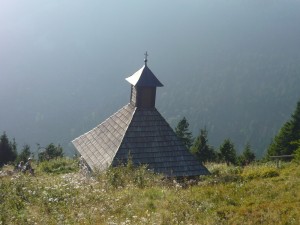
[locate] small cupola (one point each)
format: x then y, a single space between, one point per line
143 87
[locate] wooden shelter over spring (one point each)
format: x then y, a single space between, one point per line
139 131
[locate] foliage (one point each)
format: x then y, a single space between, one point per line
51 152
8 150
24 154
297 156
128 174
297 152
59 166
290 132
201 149
228 152
182 131
247 156
122 176
253 172
230 196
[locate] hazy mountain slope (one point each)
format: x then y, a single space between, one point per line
232 66
247 98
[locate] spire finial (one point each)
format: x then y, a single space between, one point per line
146 60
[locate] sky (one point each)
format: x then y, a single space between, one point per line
62 58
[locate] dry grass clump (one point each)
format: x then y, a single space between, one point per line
263 171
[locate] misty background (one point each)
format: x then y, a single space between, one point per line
230 66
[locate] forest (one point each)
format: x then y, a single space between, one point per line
286 142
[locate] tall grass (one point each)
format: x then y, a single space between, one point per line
257 194
59 165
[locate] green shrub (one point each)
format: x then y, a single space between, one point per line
51 152
297 156
59 166
125 175
115 177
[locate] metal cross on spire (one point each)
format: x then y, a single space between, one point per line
146 60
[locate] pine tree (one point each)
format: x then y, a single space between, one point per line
289 133
182 131
25 154
247 156
51 152
201 149
228 152
8 150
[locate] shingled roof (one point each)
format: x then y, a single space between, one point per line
99 146
140 132
150 140
144 78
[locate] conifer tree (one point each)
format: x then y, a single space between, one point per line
247 156
8 150
228 152
25 154
201 148
51 152
289 133
182 131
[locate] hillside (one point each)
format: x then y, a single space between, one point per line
245 97
257 194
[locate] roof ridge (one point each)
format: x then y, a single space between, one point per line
101 123
144 77
95 157
124 135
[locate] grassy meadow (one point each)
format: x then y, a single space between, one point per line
60 194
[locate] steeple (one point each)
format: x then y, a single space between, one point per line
143 87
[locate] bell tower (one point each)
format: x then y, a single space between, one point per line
143 87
